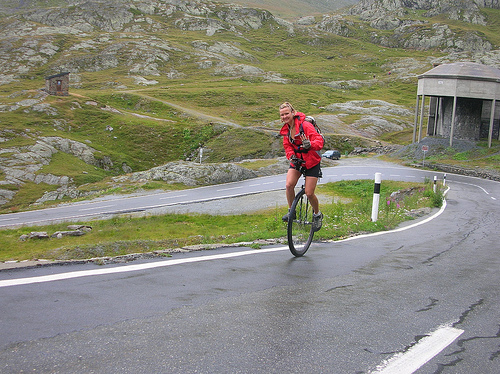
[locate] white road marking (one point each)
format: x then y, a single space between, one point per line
474 185
400 228
9 219
230 188
96 208
172 197
128 268
420 353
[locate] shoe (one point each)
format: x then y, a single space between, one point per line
287 216
317 221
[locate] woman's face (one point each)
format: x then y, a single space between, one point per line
286 115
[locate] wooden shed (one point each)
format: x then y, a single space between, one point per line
58 84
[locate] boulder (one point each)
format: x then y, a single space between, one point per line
38 235
60 234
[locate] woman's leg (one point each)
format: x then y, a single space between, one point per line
310 187
292 177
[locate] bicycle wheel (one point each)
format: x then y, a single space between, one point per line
300 228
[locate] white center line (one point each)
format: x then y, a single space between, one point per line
9 219
230 188
420 353
172 197
96 208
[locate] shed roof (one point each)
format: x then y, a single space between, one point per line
58 75
464 70
461 79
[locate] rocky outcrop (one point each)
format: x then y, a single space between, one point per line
137 48
23 164
335 24
191 174
467 11
181 172
84 152
410 31
377 116
110 34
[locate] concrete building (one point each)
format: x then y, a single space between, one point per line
57 84
464 102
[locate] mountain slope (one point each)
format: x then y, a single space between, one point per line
139 70
296 8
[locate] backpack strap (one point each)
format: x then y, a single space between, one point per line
298 150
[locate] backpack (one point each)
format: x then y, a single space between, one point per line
311 120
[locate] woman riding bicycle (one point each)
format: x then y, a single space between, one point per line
301 141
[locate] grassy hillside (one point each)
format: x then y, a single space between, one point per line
155 91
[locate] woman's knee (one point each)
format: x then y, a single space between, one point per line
310 194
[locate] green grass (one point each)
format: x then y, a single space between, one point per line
64 164
482 157
165 134
239 143
346 206
25 196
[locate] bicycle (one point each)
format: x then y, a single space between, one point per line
300 230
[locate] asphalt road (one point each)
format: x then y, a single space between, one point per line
422 299
174 201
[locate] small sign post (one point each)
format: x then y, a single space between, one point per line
424 149
376 196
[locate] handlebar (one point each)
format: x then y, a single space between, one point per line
298 163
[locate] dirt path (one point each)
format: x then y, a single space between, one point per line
191 112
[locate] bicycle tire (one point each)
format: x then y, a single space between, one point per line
300 229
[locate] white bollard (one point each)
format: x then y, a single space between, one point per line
376 196
444 180
435 184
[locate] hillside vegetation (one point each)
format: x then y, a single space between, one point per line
155 81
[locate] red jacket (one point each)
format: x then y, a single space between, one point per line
311 157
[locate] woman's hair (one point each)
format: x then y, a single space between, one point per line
286 104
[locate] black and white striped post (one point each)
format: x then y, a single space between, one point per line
444 180
435 184
376 196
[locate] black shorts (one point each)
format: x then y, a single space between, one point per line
315 171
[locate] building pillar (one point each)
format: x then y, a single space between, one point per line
421 119
436 116
453 119
416 121
441 116
492 120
